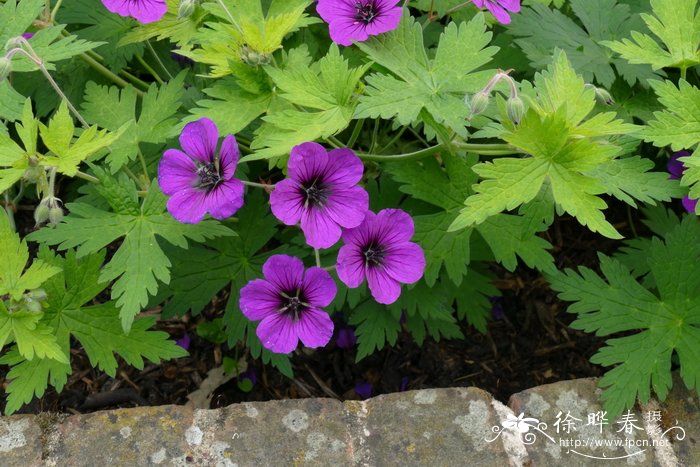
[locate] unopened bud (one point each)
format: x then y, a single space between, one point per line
55 215
13 43
38 294
186 8
603 96
515 108
5 68
41 213
254 58
478 103
32 305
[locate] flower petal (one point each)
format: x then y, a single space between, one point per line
176 171
314 328
229 155
392 226
319 228
259 299
387 20
284 272
510 5
318 287
188 206
347 206
307 161
343 31
343 168
405 262
360 235
148 11
199 138
689 204
224 200
277 333
351 266
329 10
498 11
385 290
287 201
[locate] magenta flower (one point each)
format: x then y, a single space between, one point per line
500 8
676 169
321 192
197 180
356 20
380 250
288 302
27 35
144 11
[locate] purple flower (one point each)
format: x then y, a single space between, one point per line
144 11
27 35
346 338
499 7
379 249
248 375
321 192
288 302
364 389
356 20
676 169
184 341
197 180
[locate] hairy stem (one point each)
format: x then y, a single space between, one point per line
483 149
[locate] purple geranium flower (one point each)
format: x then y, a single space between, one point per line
380 250
27 35
364 389
184 341
321 192
500 8
144 11
676 169
346 338
356 20
198 181
288 302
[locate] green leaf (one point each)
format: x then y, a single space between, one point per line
170 26
662 324
375 326
677 24
139 264
49 48
17 17
68 154
538 27
114 109
678 125
437 85
324 91
98 329
225 94
102 25
569 157
10 102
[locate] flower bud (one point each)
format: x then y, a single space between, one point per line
38 294
603 96
478 103
41 213
515 108
253 58
186 8
32 305
13 43
55 215
5 68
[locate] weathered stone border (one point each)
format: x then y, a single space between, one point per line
435 427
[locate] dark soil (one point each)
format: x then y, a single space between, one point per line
530 344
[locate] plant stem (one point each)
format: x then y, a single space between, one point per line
107 73
355 133
134 177
144 166
393 140
55 10
317 254
230 16
87 177
9 211
375 131
683 71
257 185
160 62
135 81
483 149
149 69
457 7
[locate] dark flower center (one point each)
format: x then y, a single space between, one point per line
209 176
366 11
374 254
292 304
315 194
